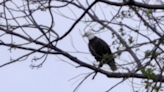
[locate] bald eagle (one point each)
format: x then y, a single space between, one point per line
100 50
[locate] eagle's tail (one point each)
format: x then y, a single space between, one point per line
112 65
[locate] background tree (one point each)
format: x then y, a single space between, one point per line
38 29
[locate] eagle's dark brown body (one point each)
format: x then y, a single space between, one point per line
98 49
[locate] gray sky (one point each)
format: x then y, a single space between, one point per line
55 74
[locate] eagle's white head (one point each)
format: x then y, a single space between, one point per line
89 35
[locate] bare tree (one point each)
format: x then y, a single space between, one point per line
135 28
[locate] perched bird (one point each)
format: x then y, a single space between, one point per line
100 50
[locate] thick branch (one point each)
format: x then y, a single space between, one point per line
157 78
135 4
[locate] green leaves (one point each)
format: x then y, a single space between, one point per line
108 57
149 83
151 54
148 73
130 40
146 24
122 42
119 53
105 56
123 13
147 53
149 11
121 30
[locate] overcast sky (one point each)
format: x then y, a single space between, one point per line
55 74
